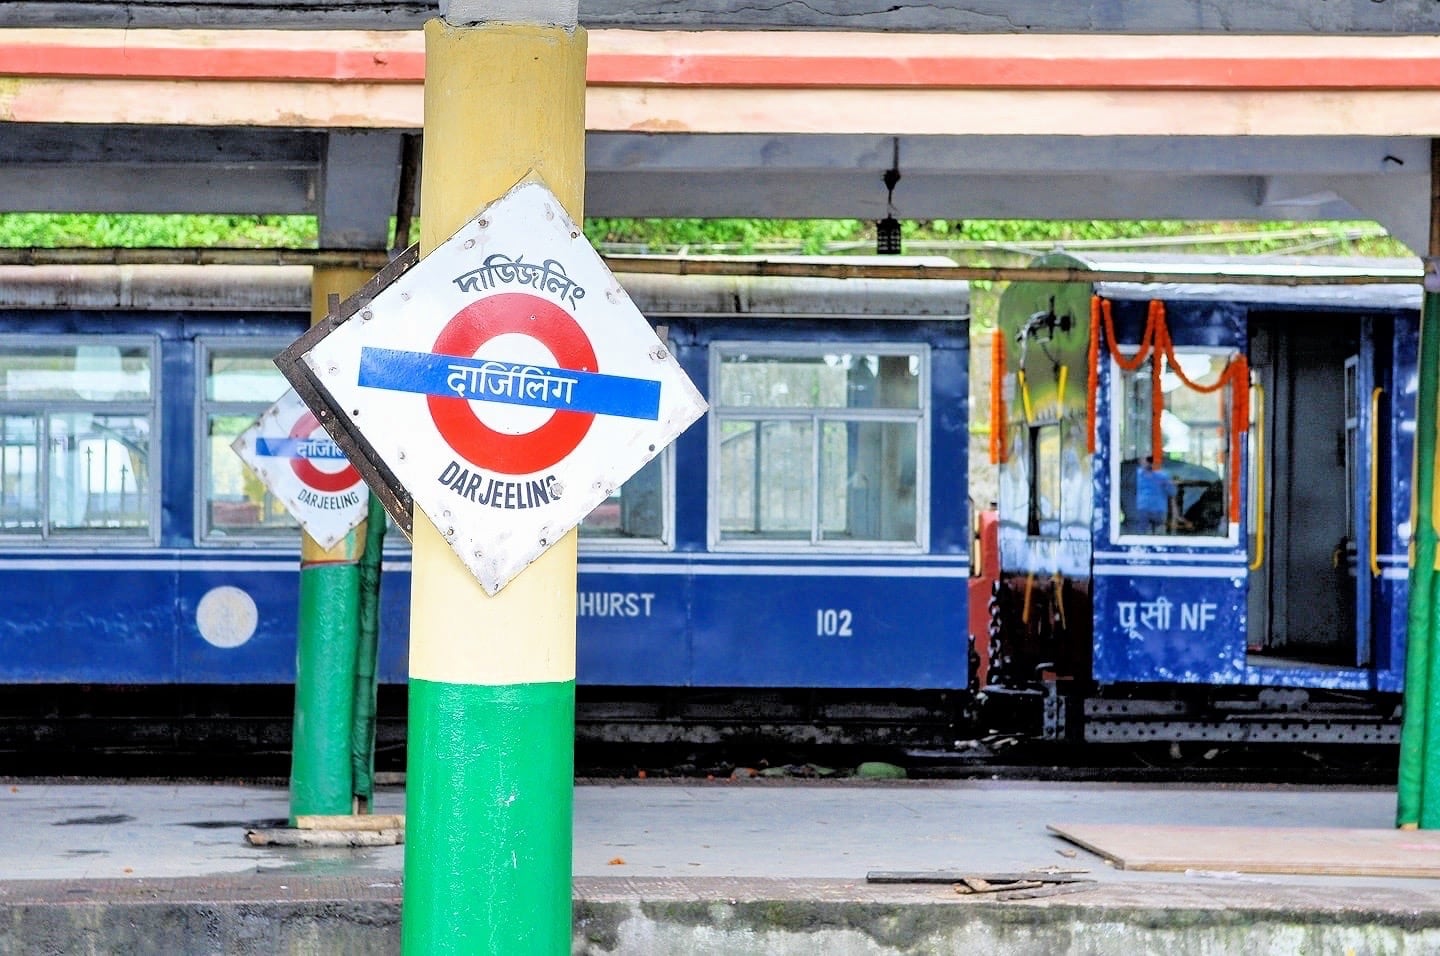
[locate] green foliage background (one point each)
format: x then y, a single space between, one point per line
962 240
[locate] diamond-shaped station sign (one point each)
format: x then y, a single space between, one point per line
305 469
505 383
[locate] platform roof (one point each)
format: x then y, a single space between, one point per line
1332 120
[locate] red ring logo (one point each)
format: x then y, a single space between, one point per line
330 481
472 439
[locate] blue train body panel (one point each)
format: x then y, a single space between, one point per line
633 625
1188 628
842 626
190 602
56 629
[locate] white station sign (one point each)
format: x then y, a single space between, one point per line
508 382
304 468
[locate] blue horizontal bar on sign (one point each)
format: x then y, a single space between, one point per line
510 383
310 448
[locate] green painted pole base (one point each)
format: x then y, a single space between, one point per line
367 649
487 867
320 768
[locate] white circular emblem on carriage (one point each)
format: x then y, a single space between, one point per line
227 617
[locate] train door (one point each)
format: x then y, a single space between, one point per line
1311 487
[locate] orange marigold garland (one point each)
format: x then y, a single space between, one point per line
1156 344
997 399
1092 382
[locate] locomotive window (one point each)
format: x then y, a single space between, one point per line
76 417
239 383
1044 513
817 447
1187 494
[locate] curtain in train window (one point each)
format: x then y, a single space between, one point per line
76 420
240 382
817 446
1186 494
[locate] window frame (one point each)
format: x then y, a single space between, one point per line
205 347
918 418
1231 539
44 408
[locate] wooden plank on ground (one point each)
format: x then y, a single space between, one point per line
358 821
1291 850
287 836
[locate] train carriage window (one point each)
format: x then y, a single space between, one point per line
76 422
1183 490
240 382
813 446
636 514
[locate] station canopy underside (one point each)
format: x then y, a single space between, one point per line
789 123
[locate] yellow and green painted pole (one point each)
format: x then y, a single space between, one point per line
489 782
321 777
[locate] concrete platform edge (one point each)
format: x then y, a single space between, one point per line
344 915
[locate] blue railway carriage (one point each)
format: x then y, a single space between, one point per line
810 533
1204 502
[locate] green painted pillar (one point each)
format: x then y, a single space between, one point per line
1418 799
490 776
321 776
320 773
1416 730
367 654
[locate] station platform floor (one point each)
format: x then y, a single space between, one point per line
736 867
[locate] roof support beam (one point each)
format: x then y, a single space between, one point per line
359 183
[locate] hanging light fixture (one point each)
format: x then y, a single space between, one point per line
887 230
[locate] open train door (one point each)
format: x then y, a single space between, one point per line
1309 375
1326 585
